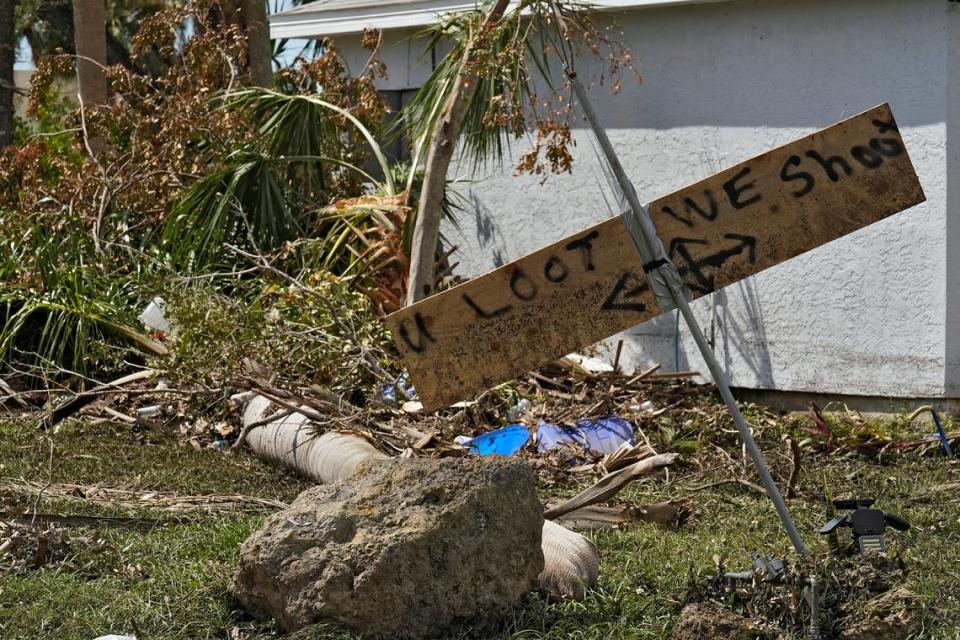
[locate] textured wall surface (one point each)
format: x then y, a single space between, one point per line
952 373
868 314
408 61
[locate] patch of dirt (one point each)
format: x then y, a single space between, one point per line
870 601
701 621
24 548
890 616
861 598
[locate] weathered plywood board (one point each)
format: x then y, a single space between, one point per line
590 285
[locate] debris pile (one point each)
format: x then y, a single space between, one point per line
24 547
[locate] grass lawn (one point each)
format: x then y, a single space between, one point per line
171 581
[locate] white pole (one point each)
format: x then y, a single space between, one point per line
668 287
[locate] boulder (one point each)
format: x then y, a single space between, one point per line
403 549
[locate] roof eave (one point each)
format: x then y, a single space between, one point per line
316 24
305 24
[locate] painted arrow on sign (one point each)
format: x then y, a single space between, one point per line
688 265
589 286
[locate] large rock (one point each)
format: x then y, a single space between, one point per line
402 549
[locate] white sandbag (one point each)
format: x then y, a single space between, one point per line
571 563
292 440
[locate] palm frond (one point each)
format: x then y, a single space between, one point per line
503 84
65 328
303 125
247 197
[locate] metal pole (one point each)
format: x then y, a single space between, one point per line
668 287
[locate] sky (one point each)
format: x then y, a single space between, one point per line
23 56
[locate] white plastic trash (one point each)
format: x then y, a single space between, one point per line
517 410
116 637
412 406
592 365
155 316
149 412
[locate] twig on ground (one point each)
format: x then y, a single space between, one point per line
74 404
312 406
11 394
643 375
126 497
66 520
122 417
673 374
36 502
740 481
795 468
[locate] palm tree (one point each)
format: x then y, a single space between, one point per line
259 51
8 55
250 16
90 39
47 26
443 143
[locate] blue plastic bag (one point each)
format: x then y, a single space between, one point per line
603 435
502 442
553 436
389 392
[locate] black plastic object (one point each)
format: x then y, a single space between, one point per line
765 568
868 524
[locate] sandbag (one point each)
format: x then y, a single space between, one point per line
571 563
292 440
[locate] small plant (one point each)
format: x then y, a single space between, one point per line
317 333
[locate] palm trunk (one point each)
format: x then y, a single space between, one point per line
8 55
90 37
443 142
259 53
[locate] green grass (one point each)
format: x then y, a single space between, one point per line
172 582
136 458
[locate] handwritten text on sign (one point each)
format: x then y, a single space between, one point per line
590 286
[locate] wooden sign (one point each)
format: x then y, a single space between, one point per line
591 285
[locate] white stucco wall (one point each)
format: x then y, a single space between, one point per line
952 373
868 314
408 62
